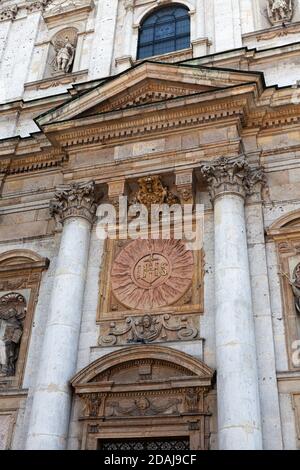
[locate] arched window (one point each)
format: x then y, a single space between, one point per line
165 30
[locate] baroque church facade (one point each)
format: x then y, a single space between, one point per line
146 344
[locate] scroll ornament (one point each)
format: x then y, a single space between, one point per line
147 329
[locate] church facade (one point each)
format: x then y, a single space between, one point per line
119 342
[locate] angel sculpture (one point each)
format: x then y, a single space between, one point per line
65 52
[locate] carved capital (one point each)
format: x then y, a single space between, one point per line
38 5
74 200
8 13
231 175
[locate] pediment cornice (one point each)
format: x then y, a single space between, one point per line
147 83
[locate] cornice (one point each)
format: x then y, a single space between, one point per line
41 161
70 8
100 129
83 132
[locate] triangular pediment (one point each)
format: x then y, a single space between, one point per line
148 90
148 83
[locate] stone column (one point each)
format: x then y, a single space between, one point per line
75 207
239 421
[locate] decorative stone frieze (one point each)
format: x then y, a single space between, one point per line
231 175
60 6
143 406
149 329
74 200
280 11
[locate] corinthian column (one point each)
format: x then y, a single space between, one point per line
75 207
239 423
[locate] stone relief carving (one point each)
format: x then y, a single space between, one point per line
149 328
58 6
280 11
228 174
150 274
92 403
8 13
74 200
12 314
192 400
152 191
295 285
38 5
143 406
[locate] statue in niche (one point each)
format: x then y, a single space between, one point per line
295 285
64 55
280 11
12 314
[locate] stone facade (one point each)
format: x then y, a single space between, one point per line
203 344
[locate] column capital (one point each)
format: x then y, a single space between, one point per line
74 200
231 175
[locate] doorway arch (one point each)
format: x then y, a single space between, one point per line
145 392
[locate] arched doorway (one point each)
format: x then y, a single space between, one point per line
145 397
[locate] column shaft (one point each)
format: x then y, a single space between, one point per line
50 414
239 421
238 398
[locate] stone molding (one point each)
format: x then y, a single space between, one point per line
74 200
231 175
10 12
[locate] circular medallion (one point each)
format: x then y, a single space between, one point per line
150 274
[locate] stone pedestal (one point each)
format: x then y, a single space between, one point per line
74 206
239 422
